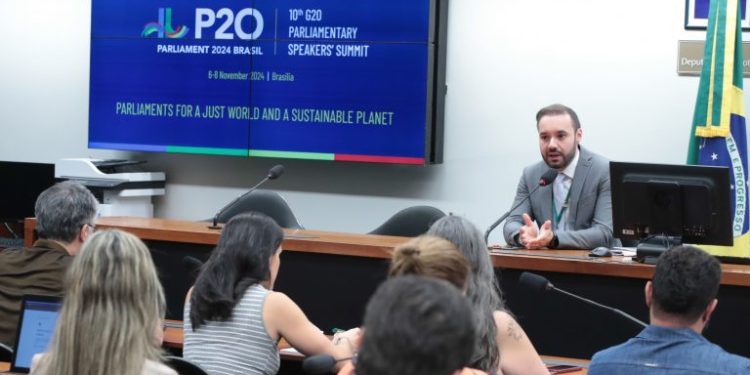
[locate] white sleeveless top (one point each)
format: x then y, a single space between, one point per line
238 346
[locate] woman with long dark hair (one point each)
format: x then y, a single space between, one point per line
501 342
234 319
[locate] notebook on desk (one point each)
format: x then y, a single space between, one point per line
36 324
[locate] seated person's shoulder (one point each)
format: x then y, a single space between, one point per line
57 252
609 355
502 320
11 252
735 363
537 168
600 162
603 355
507 325
14 261
278 311
277 300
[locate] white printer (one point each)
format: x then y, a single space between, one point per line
121 191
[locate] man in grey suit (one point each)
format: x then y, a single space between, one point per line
576 212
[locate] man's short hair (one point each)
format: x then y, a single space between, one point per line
558 109
416 325
685 282
62 210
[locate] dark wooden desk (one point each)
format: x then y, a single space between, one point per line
379 247
198 233
332 275
578 261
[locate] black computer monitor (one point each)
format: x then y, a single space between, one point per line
20 185
660 205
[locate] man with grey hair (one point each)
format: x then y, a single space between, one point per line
65 215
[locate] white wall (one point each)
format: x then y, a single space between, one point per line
614 62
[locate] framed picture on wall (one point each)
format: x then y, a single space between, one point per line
696 14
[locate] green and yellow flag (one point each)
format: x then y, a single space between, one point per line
718 135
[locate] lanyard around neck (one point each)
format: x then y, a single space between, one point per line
556 216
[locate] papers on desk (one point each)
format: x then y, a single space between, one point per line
623 251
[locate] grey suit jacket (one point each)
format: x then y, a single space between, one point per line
590 213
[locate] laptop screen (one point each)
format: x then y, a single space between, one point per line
35 328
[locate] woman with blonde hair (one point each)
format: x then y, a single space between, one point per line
431 321
501 342
431 256
112 312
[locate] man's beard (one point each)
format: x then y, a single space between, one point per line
566 159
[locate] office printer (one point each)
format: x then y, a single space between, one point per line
121 189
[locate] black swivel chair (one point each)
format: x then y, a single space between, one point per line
184 367
267 202
410 222
6 353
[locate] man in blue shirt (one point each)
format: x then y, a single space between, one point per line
681 298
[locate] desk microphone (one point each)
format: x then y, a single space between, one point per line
273 173
545 180
320 364
538 283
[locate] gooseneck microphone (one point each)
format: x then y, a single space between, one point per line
273 173
320 364
545 180
538 283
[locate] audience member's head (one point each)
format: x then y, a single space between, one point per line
431 256
482 291
684 287
65 212
470 242
418 326
110 321
247 254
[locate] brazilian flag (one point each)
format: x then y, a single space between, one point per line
718 135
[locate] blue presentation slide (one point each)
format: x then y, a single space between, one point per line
321 79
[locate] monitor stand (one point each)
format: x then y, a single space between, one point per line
650 248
